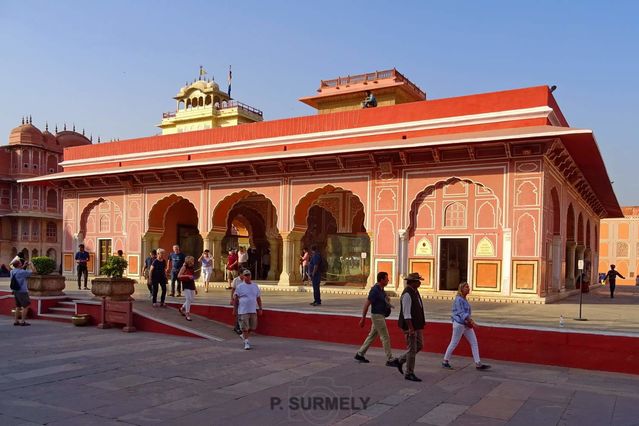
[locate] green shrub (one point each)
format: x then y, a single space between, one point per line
43 265
114 267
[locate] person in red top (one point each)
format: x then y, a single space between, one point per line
232 267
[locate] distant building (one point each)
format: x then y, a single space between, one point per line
619 245
31 213
495 189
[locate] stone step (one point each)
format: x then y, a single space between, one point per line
56 317
58 309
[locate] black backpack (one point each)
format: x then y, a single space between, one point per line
15 285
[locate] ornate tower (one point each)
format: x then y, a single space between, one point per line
202 105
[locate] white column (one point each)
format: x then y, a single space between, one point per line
402 253
556 284
287 251
506 266
570 264
370 282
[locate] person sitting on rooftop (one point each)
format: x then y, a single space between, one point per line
370 101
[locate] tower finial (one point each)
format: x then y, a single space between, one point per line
98 139
65 127
83 132
56 128
46 126
74 127
30 119
22 120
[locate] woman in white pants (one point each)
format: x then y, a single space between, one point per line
463 324
207 268
188 285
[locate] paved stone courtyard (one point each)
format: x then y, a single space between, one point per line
57 374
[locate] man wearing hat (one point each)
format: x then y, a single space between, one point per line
412 321
247 304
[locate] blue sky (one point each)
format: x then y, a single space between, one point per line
113 67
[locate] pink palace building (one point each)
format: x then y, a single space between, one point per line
495 189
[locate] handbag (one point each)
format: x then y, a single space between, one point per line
387 311
388 308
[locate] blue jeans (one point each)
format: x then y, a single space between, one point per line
174 279
316 288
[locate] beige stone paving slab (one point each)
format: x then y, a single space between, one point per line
513 390
497 408
443 414
45 371
353 420
118 383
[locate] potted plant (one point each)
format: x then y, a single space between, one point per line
113 286
45 282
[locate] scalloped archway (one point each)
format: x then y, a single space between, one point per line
174 220
333 219
256 213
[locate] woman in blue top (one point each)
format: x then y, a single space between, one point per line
463 324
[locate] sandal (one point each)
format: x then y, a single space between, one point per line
24 324
188 318
16 323
181 311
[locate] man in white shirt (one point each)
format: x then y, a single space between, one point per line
247 305
242 258
236 281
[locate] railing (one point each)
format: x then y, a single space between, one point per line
221 106
240 105
377 75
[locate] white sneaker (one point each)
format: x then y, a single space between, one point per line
247 346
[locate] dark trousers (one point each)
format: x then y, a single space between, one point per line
82 270
316 288
174 279
155 286
612 289
265 270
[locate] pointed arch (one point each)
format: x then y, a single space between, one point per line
455 215
386 243
486 217
306 202
222 210
580 229
525 245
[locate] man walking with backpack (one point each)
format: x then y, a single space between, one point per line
380 305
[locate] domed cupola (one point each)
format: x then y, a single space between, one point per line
26 134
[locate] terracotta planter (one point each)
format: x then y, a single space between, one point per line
46 285
113 288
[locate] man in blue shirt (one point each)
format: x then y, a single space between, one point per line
82 259
177 260
20 273
370 101
380 305
316 275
